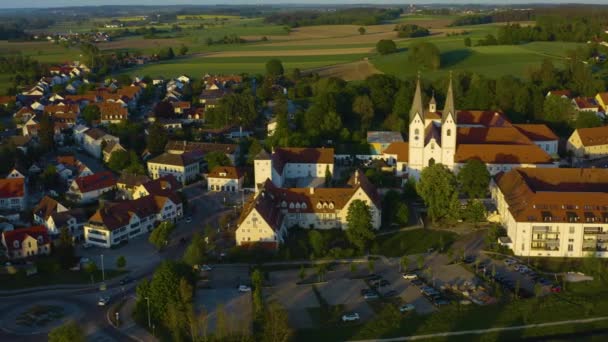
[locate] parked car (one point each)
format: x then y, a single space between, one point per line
410 276
206 268
103 301
441 302
407 307
469 259
366 291
391 293
556 289
125 280
86 245
350 317
373 277
510 262
244 288
383 283
544 281
417 282
188 219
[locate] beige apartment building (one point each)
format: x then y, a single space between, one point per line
554 212
589 142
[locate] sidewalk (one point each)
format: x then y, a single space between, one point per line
128 326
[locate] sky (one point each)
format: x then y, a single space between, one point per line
62 3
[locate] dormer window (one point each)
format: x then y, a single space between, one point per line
283 204
303 205
297 205
16 244
331 205
319 205
291 205
40 240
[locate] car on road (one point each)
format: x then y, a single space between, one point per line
350 317
206 268
125 280
370 296
510 262
188 219
103 301
244 288
86 245
407 307
410 276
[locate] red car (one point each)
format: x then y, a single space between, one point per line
556 289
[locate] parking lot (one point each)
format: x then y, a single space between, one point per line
222 289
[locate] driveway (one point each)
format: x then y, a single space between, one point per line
296 299
138 252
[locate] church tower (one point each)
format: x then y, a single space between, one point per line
448 128
416 134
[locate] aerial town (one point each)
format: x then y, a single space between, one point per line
338 173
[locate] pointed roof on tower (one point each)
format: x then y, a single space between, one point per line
417 108
449 103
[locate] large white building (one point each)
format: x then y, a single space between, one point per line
267 217
554 212
184 167
292 164
452 137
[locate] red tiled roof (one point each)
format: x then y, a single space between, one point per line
484 118
537 132
45 207
491 135
566 93
227 172
21 234
593 136
12 187
502 154
401 149
585 102
97 181
283 156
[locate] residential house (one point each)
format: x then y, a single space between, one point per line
26 242
89 188
589 143
585 104
93 140
54 216
119 222
554 212
128 182
267 217
210 98
13 194
180 107
225 178
181 146
112 112
110 148
602 100
184 167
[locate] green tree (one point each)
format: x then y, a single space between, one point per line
425 54
196 252
359 219
119 161
160 235
274 67
364 108
402 216
587 119
318 243
91 113
474 212
438 188
473 179
361 30
49 176
121 262
90 268
467 42
68 332
157 138
183 50
65 248
386 46
328 177
46 133
302 273
217 158
558 110
135 165
276 324
254 149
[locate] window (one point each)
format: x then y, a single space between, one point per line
570 247
449 133
16 244
571 230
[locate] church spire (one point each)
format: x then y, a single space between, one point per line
417 102
449 102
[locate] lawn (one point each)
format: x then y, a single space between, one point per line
414 242
580 301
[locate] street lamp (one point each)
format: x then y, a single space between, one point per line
149 322
103 275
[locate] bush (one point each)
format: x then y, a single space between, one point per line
386 46
411 31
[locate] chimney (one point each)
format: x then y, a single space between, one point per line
357 176
312 190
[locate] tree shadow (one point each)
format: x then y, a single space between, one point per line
451 58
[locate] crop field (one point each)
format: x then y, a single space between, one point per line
206 16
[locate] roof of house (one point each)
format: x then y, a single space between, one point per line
68 160
21 234
184 159
288 155
491 135
63 217
556 194
604 97
95 133
214 94
226 172
563 92
593 136
585 102
537 132
61 108
112 146
166 185
12 187
384 137
97 181
401 149
132 179
502 154
45 207
116 215
109 109
183 146
483 118
181 104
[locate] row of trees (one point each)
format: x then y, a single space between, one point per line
411 31
350 16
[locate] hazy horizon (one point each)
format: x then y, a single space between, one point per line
71 3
